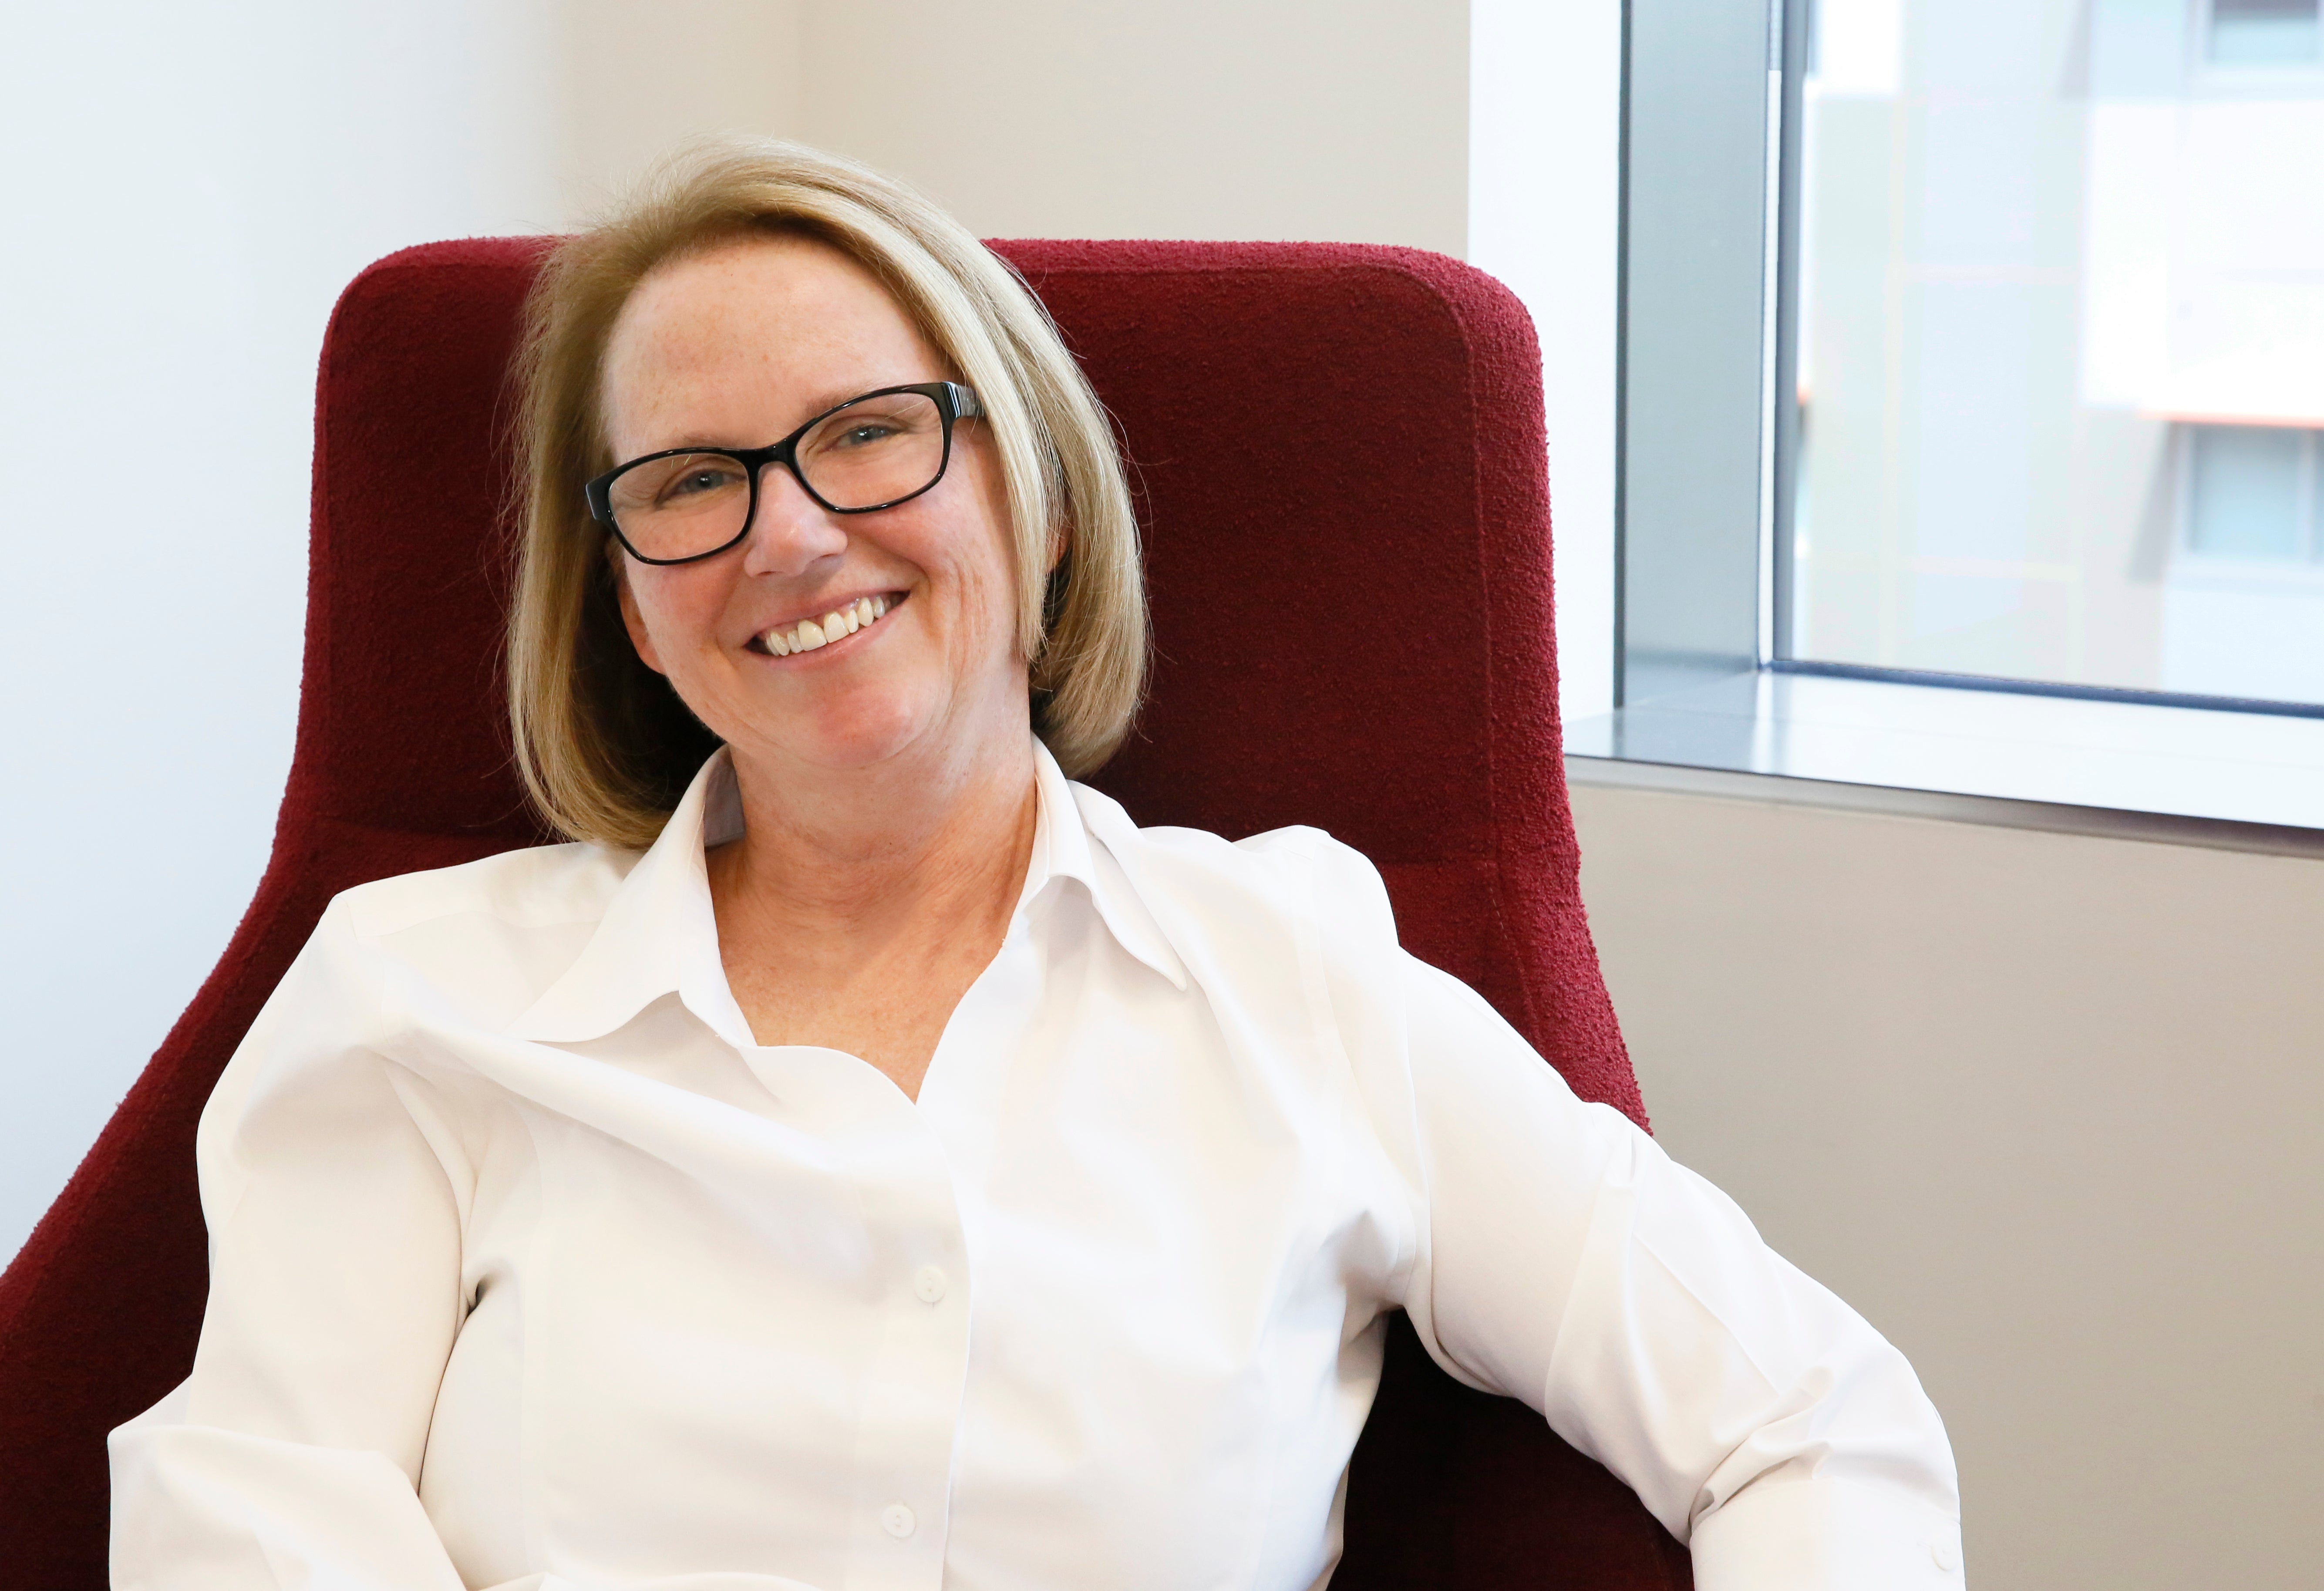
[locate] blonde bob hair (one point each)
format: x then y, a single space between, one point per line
605 746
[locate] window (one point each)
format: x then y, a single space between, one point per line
1972 400
2243 599
2252 494
2049 289
2262 33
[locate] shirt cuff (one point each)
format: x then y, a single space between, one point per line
1826 1535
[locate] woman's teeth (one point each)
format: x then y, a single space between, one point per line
835 626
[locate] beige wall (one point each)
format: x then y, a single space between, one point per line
2050 1110
1204 118
634 77
1055 118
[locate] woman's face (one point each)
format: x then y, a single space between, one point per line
737 346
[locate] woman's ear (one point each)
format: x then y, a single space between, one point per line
632 620
1054 581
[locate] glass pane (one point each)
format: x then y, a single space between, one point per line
683 505
2050 270
877 450
2263 32
2244 499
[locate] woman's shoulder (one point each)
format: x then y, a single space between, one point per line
445 949
533 885
477 943
1295 928
1299 874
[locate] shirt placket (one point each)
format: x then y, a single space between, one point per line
916 1373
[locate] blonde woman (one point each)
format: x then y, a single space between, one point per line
863 1157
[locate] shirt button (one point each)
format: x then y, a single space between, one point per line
1942 1554
928 1283
897 1521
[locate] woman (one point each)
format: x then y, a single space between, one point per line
864 1157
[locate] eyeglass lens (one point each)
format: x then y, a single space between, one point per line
875 451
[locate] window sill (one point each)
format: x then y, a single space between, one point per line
2129 770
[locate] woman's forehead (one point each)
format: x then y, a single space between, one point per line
758 294
792 319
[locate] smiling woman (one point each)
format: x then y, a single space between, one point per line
851 656
633 312
865 1157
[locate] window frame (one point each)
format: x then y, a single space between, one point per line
1709 203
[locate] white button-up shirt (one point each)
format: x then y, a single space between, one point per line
530 1268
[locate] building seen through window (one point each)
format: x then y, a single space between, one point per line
2251 492
2262 33
2061 343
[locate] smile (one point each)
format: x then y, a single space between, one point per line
810 635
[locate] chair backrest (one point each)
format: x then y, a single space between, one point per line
1340 467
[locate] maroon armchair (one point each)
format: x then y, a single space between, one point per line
1339 457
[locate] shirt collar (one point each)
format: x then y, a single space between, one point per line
1069 816
660 936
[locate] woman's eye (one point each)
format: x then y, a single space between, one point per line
863 432
697 481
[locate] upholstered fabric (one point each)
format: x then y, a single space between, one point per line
1339 461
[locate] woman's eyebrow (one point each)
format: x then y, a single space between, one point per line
820 401
832 398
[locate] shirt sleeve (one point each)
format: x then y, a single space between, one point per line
290 1455
1568 1262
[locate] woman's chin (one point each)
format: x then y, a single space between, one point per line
863 731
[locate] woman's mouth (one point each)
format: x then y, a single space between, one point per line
822 630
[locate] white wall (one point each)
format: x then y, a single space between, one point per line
1544 192
189 188
2046 1108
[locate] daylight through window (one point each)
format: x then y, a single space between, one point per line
2060 343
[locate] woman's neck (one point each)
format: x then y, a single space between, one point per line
826 851
859 906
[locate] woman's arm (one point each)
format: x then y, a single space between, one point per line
292 1454
1572 1264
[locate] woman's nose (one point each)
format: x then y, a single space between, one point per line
791 530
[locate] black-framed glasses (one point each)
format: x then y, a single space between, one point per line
870 452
